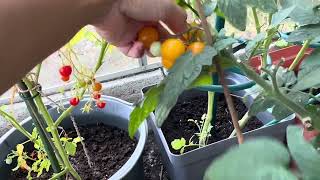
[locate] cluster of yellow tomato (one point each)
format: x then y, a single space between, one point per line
170 49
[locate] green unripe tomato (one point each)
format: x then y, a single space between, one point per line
155 49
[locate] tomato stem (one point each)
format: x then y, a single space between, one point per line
300 54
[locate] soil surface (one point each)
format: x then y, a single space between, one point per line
109 149
177 125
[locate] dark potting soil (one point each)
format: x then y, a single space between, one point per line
109 149
177 125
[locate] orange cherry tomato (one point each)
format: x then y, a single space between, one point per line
171 49
97 86
148 35
196 47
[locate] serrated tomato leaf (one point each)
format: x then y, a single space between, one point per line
235 11
259 159
185 71
305 155
143 109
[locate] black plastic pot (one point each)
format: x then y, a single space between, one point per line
115 114
192 165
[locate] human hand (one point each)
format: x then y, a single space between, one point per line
120 25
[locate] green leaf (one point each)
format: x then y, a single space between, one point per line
280 112
285 77
209 6
304 33
254 43
305 155
142 110
305 12
203 79
8 160
281 15
77 140
224 43
70 148
260 104
267 6
259 159
309 71
186 70
177 144
235 12
315 113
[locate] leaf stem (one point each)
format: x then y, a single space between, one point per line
205 129
256 20
244 120
16 124
300 55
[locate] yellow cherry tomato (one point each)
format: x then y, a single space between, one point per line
172 49
196 47
148 35
167 63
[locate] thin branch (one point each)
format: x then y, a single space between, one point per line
209 39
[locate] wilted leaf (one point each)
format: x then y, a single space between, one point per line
19 149
203 79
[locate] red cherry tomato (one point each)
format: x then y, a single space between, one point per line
96 95
65 78
65 71
101 104
74 101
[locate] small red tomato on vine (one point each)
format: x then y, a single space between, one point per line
171 49
101 104
148 35
65 78
74 101
96 95
97 86
65 71
196 47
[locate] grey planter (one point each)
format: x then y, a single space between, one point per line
192 165
115 114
